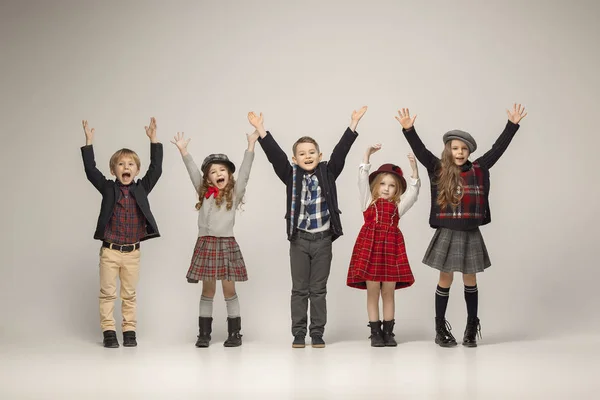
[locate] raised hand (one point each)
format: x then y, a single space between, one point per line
371 150
413 165
255 121
252 138
517 114
356 116
89 133
405 119
151 130
181 143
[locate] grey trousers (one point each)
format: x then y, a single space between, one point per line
310 259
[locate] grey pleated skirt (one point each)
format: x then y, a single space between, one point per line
457 251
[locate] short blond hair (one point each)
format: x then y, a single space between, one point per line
114 160
305 139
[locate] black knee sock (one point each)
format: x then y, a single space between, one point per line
471 298
441 301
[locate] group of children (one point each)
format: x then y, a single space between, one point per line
379 263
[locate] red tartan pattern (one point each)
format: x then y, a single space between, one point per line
217 258
472 204
127 225
379 253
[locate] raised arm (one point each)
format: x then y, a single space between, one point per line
413 184
501 144
364 188
275 154
195 175
244 173
337 160
156 157
424 156
89 163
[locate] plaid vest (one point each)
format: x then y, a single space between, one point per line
473 202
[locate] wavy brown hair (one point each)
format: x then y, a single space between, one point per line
375 187
448 180
224 195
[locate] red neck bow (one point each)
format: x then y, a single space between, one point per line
212 190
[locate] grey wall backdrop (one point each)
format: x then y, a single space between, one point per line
199 67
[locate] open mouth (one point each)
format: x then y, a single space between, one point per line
126 175
220 180
308 162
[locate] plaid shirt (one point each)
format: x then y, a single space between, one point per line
472 205
313 213
127 224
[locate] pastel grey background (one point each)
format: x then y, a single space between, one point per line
199 67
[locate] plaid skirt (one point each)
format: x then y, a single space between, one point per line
217 258
457 251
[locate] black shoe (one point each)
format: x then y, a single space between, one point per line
317 341
376 334
472 331
388 333
443 337
129 339
299 342
233 327
110 339
205 329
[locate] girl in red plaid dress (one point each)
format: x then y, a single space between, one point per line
217 255
379 263
459 206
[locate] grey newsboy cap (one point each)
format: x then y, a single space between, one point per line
217 159
460 135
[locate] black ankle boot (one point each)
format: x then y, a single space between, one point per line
233 327
110 339
443 337
376 334
472 330
388 333
129 339
205 329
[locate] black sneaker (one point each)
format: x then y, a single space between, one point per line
317 341
299 342
129 339
110 339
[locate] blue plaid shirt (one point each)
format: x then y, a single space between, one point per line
314 213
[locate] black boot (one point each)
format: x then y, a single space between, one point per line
443 337
376 334
388 333
205 329
110 339
233 327
129 339
472 330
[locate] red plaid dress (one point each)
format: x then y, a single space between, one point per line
379 254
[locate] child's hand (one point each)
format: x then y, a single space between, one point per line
255 121
517 114
252 138
151 130
356 116
371 150
181 143
413 165
405 120
89 133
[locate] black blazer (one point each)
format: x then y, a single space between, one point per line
138 189
327 173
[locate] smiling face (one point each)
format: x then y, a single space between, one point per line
218 175
386 186
125 169
307 156
460 152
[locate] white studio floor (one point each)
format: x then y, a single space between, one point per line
556 368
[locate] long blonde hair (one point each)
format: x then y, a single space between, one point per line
224 195
449 180
377 181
